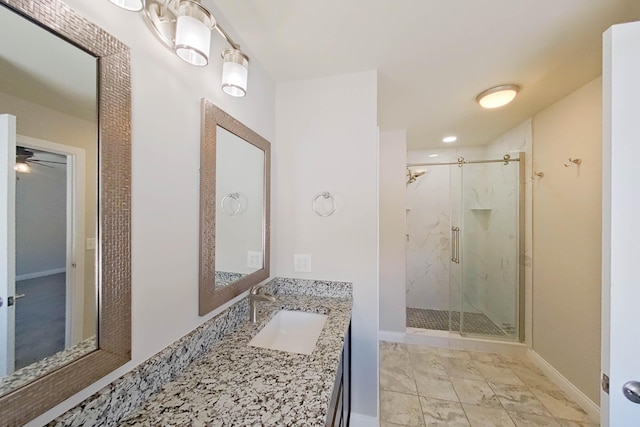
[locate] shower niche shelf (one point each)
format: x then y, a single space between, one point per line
482 215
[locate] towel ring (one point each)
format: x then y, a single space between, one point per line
236 197
324 195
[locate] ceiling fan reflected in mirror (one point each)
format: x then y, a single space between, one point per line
26 157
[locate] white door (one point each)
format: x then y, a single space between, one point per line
75 232
7 241
621 222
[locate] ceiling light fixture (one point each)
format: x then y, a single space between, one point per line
185 27
497 96
22 167
449 139
433 155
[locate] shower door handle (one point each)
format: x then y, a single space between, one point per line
457 231
455 244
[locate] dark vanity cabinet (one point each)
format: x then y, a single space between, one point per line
340 403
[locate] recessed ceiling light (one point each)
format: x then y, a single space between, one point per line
498 96
433 155
449 139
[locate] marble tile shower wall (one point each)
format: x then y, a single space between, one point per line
504 310
428 248
492 290
476 213
501 289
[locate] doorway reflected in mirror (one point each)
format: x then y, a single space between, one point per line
49 87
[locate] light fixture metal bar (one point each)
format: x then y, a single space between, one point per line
227 37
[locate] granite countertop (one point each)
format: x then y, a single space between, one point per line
238 385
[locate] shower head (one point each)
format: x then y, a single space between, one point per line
413 175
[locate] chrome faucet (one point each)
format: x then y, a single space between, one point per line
254 296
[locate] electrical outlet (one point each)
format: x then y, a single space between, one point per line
90 245
302 263
254 259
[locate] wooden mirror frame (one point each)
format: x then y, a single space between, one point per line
209 297
114 214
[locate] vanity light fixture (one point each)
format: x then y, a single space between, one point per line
132 5
235 70
193 33
497 96
185 27
449 139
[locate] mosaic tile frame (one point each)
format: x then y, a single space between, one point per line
209 296
114 251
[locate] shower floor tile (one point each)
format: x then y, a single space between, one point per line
474 323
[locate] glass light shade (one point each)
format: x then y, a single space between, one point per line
235 72
132 5
193 40
22 167
498 96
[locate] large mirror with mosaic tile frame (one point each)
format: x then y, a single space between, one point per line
98 340
235 171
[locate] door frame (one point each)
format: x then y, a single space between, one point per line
620 212
74 316
7 248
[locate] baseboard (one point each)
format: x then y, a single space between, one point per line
358 420
40 274
391 336
565 385
452 340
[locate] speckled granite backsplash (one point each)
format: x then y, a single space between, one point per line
111 405
318 288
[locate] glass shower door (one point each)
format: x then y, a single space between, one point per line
489 249
455 266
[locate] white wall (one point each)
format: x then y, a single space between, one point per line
327 141
41 220
393 157
567 214
166 139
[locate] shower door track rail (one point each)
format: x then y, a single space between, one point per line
462 161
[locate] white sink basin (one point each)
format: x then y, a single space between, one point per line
292 331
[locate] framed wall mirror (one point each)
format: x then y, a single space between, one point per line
235 170
65 173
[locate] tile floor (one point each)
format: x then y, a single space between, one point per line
426 386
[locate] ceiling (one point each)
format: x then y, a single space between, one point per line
434 56
46 70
